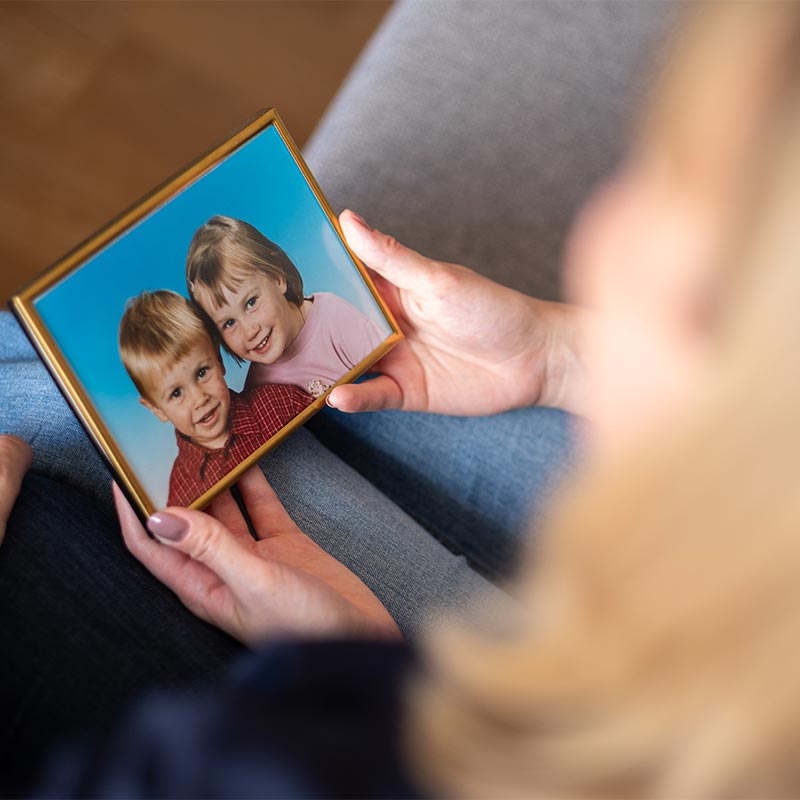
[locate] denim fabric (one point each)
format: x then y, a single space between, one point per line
32 407
478 484
369 525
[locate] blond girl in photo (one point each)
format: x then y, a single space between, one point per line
252 293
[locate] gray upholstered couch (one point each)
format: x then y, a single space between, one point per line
473 131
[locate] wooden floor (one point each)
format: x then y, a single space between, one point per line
103 100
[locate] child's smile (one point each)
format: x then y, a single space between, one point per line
256 321
261 347
210 419
193 396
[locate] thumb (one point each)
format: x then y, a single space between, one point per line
15 460
375 394
208 541
400 265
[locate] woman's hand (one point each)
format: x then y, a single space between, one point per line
282 583
471 347
15 460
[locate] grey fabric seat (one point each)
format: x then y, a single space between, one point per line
472 131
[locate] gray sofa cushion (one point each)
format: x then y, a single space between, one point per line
472 131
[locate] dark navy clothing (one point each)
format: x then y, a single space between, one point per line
295 721
86 631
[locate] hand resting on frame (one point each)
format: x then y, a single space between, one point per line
472 346
282 583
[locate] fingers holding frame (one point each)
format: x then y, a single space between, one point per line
376 394
225 509
206 540
398 264
267 513
16 457
196 554
197 586
164 563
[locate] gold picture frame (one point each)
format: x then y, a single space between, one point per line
58 350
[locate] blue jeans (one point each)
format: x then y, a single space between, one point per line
422 507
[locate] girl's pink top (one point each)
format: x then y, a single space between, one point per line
335 338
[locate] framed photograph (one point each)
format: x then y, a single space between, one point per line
209 321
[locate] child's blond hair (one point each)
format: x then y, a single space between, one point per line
158 328
224 250
222 253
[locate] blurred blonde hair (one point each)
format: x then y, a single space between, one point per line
157 330
658 645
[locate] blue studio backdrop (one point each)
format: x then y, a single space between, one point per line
259 183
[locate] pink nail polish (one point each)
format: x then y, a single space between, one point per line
167 526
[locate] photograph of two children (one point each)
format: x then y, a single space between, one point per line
207 330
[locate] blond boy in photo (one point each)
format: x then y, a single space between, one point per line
177 369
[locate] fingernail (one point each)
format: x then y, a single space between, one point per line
167 526
361 221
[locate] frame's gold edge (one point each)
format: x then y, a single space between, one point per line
297 422
395 337
254 457
328 211
23 300
81 404
50 276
